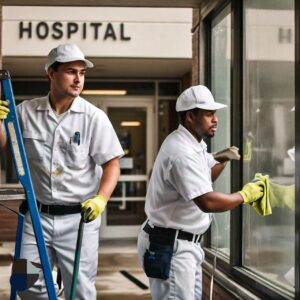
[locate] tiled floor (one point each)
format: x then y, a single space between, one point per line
116 256
111 284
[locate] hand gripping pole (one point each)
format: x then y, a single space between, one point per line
21 165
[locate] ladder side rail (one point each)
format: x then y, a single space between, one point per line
13 291
20 161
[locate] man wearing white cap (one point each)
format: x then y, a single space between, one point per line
180 200
73 154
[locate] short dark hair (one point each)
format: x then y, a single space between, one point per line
182 114
55 65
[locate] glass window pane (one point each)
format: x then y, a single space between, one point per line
269 136
125 213
126 206
168 88
130 125
167 119
221 45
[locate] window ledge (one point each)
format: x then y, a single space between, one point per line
228 284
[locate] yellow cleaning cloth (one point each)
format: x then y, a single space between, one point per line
282 195
275 195
262 206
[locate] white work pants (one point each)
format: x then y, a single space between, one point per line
60 233
185 281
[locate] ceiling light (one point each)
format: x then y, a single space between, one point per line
104 92
130 123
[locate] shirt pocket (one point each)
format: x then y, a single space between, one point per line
76 156
34 143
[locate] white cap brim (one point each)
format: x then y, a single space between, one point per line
210 106
88 63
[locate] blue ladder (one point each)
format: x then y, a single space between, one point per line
21 165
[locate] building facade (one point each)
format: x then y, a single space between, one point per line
247 52
248 58
142 58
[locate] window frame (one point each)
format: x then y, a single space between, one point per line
297 147
234 267
220 13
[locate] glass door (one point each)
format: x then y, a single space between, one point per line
133 122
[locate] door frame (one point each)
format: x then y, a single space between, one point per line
103 102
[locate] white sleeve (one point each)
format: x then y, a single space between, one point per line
190 176
104 144
210 160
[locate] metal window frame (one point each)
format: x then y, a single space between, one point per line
234 267
297 147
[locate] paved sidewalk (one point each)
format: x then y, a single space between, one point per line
119 274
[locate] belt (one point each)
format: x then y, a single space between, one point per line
170 232
55 210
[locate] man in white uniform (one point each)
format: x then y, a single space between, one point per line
73 154
180 200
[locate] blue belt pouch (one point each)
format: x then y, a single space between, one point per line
157 260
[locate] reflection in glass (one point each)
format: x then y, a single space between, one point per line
126 206
167 119
220 46
269 136
132 136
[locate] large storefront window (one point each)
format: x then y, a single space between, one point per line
268 242
220 85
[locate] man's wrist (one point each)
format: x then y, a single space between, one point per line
101 199
102 202
243 195
222 161
221 158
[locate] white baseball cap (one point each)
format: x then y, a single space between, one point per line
198 96
66 53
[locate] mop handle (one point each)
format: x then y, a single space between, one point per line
77 260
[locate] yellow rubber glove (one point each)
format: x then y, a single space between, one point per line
252 191
92 208
3 109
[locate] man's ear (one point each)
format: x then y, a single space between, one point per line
189 117
50 73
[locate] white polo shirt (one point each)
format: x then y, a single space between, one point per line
64 169
181 172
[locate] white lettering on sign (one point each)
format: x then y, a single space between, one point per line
60 30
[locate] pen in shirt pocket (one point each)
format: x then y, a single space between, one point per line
75 138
